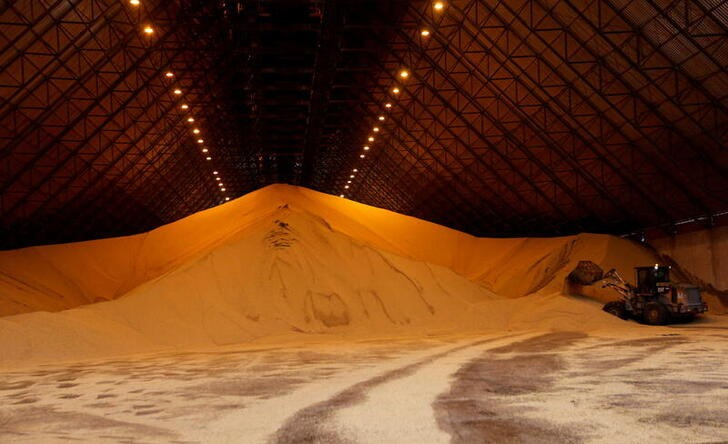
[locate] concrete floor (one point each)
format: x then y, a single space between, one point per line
670 386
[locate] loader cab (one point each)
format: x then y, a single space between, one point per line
647 278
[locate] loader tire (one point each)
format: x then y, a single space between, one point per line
617 309
655 314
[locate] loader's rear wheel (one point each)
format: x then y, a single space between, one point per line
617 308
656 314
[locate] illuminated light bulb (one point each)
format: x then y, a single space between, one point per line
148 30
191 119
196 131
227 198
425 33
387 105
395 90
381 118
208 158
404 73
362 156
217 178
439 6
220 184
223 189
366 148
341 195
346 186
355 170
214 172
348 181
371 139
185 106
376 129
134 2
169 74
178 91
351 177
200 140
204 150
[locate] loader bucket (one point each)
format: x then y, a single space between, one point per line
585 273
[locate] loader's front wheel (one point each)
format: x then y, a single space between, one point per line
617 308
656 314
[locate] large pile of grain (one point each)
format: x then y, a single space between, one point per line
284 262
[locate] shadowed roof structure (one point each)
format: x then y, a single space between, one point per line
514 117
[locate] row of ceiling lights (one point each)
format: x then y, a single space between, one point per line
177 92
404 74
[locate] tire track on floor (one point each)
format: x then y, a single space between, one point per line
474 410
309 423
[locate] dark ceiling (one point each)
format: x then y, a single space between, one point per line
517 117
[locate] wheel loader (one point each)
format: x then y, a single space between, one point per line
655 300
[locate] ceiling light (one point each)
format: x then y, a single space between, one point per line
381 118
341 195
387 105
214 172
190 119
204 150
178 91
351 177
169 74
220 184
395 90
148 30
355 170
376 129
366 148
217 178
348 181
200 140
134 2
227 198
424 33
404 73
371 139
439 6
346 186
185 106
362 156
223 189
196 131
208 158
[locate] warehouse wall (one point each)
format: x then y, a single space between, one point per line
702 253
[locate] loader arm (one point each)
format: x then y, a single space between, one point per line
612 279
